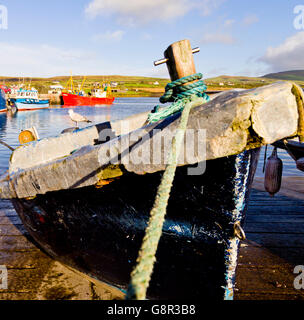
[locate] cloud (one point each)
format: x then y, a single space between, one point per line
43 60
229 23
218 38
250 19
287 56
40 60
208 6
134 12
109 36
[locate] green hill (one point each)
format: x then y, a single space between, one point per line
295 75
125 85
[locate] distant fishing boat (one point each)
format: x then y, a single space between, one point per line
5 88
97 96
28 100
2 101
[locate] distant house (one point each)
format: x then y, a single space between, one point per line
56 89
114 84
60 87
221 84
156 83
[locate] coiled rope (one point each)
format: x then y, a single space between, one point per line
179 92
141 275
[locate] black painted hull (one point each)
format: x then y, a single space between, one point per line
99 231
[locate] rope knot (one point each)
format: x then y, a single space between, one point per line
179 92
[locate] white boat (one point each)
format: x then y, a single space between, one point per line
29 100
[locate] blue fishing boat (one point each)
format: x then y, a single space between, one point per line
29 100
2 101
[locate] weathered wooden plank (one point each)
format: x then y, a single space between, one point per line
12 230
279 281
10 220
277 240
8 213
5 204
275 203
53 281
275 218
269 257
23 280
271 227
23 260
253 295
15 242
276 210
15 296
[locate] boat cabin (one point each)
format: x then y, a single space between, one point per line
99 93
27 94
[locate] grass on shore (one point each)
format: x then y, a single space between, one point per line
134 86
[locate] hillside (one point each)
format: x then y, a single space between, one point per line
125 85
134 86
295 75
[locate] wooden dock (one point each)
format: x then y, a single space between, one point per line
275 243
274 246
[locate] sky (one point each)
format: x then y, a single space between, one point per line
107 37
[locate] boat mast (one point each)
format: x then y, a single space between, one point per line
83 81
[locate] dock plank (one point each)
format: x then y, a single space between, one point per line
274 227
275 243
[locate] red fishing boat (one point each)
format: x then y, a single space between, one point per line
97 96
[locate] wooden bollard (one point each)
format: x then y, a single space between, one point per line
179 59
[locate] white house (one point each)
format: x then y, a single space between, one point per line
56 89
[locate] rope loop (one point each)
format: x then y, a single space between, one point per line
179 92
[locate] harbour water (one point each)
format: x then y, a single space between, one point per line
51 122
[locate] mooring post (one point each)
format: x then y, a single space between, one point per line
179 59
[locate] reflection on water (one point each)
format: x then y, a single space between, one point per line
50 122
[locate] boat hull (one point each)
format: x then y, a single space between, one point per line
2 101
76 100
26 105
99 231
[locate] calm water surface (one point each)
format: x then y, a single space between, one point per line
52 121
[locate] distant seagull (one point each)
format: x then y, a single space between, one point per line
76 117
